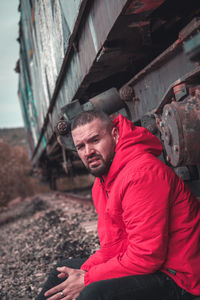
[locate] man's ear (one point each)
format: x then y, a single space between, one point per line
115 134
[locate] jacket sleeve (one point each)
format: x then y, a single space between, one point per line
96 259
145 207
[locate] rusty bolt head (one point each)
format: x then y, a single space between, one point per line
127 93
62 127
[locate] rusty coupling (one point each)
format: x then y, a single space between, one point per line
180 128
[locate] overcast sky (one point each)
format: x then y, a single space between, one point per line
10 112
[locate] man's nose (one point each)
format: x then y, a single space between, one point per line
89 150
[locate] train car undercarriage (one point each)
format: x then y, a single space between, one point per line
143 61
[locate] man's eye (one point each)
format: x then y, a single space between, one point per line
79 147
95 140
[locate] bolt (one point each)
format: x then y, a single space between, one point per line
62 127
127 93
167 113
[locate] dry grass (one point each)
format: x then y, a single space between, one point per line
15 168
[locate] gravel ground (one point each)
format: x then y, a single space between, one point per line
36 234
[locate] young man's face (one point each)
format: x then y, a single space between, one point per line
95 145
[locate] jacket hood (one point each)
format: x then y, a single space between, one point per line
133 142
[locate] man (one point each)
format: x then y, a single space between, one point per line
148 220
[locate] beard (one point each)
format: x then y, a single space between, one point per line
101 167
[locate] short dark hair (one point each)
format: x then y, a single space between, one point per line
86 117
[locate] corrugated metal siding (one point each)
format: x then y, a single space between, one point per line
42 52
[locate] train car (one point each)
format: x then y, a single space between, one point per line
139 58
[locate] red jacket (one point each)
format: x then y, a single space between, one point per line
148 220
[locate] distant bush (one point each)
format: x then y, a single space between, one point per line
14 136
15 168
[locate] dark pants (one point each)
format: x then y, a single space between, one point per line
157 286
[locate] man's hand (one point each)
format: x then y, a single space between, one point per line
71 287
